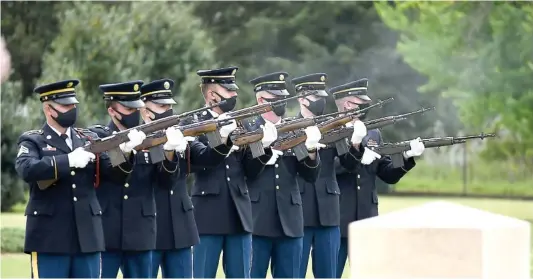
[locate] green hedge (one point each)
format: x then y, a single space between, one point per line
12 240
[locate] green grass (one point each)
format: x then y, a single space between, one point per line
18 265
488 179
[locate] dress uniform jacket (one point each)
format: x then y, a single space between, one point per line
357 182
176 225
275 194
66 217
129 210
220 193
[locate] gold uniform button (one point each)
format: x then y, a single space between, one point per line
125 197
171 192
72 173
73 186
358 188
75 199
277 187
127 185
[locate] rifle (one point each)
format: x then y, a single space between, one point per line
296 139
395 150
241 137
112 142
339 135
190 130
214 137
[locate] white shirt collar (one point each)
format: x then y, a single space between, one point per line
67 132
214 114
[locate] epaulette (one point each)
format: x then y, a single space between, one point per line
33 132
98 126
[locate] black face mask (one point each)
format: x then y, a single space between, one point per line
362 106
66 119
317 107
161 115
130 120
229 104
278 109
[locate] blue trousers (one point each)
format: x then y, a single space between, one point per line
133 264
174 263
236 259
46 265
284 253
326 243
343 255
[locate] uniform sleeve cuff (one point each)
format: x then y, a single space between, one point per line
310 163
61 165
408 164
266 157
357 154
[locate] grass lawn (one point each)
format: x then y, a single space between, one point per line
18 265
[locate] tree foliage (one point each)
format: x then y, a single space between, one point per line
480 56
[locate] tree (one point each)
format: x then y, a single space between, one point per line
480 56
128 44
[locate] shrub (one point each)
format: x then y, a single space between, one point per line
13 240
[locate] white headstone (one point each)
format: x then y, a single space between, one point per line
440 240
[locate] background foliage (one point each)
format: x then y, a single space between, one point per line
472 60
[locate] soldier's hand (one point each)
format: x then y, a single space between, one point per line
313 137
79 158
270 134
275 156
175 140
226 130
369 156
135 138
417 148
359 132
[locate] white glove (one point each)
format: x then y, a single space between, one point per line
313 137
270 134
79 158
359 132
275 156
417 148
135 138
227 129
175 140
369 156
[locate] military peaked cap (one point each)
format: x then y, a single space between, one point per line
126 93
273 83
61 92
356 88
313 82
158 91
223 76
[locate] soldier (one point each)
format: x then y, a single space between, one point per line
176 227
276 201
222 206
357 175
129 208
63 227
320 199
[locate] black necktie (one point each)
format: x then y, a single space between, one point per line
64 136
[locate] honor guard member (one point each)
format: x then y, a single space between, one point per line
357 175
276 201
176 227
64 232
321 198
220 195
129 208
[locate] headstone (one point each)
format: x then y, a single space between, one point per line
440 240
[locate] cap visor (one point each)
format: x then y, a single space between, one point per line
363 97
278 92
230 86
132 104
67 101
168 101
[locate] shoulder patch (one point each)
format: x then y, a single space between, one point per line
23 150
